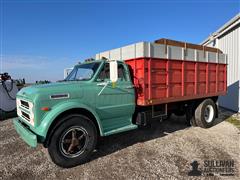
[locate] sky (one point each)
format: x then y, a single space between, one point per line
39 38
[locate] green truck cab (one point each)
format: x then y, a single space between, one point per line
96 99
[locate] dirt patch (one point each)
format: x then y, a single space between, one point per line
162 151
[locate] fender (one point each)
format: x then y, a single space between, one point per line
43 128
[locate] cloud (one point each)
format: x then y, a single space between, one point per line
13 62
34 68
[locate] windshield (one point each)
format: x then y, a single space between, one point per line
83 72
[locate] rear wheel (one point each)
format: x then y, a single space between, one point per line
73 141
190 118
188 112
205 113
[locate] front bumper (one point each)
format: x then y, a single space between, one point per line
25 134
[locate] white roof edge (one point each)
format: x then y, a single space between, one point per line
235 19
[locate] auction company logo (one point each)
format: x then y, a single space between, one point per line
212 167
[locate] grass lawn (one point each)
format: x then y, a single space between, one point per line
234 121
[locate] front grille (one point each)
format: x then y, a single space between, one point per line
26 116
25 110
25 104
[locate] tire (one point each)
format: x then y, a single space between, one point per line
190 115
192 122
73 141
205 113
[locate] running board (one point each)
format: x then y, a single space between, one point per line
122 129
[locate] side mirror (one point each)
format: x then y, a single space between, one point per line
113 72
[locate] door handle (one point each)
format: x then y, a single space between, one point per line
102 84
129 87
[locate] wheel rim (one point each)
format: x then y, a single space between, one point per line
208 113
73 142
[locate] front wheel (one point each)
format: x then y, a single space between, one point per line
73 141
205 113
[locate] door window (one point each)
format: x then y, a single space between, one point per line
121 73
105 73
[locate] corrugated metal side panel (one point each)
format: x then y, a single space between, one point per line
230 45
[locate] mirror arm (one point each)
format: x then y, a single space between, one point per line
103 88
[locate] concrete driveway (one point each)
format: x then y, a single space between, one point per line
162 151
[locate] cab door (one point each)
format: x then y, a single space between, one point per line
115 105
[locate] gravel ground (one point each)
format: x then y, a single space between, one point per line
162 151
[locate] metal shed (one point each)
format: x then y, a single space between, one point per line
227 39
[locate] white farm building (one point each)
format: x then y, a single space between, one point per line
227 39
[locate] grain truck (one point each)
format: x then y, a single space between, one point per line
120 90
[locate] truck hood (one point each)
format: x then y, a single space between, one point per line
73 88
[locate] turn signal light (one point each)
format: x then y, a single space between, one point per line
45 109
